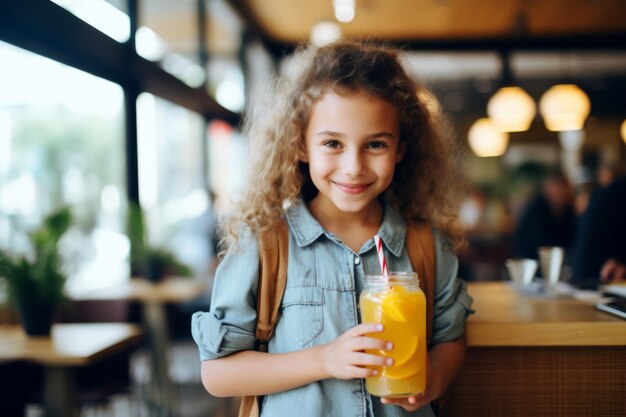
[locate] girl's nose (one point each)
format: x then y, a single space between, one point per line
353 163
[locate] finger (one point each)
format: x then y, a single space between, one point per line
363 359
414 399
360 372
394 401
408 403
388 400
365 328
369 343
415 403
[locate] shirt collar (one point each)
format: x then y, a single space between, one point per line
306 229
303 225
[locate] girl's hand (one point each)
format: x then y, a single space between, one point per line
415 402
344 358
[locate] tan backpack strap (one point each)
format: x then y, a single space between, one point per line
420 245
249 407
274 256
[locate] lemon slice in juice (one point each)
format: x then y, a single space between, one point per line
401 372
403 353
398 304
399 308
403 350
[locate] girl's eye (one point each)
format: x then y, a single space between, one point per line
377 145
333 144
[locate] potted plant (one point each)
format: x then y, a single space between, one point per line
150 262
36 282
159 262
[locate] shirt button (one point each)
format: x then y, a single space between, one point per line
357 260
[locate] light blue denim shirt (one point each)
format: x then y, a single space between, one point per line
324 279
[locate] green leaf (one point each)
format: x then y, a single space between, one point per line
42 277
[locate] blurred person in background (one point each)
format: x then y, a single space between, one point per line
582 196
547 220
600 249
488 226
607 173
584 187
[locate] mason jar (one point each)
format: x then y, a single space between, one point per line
397 302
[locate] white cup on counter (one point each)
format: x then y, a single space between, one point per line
551 261
522 271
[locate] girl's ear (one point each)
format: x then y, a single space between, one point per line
302 153
401 152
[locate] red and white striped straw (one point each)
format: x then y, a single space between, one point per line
381 255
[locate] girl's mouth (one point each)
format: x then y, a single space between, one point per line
351 188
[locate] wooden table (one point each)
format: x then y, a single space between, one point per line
538 356
154 297
170 290
69 345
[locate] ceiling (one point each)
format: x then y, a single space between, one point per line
455 46
452 25
289 21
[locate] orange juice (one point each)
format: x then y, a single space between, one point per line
400 305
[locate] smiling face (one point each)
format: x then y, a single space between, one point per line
352 144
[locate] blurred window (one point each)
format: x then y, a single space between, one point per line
108 16
168 34
172 182
62 143
227 164
226 83
225 80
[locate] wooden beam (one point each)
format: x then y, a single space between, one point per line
47 29
598 42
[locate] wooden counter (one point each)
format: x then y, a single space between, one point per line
505 318
534 356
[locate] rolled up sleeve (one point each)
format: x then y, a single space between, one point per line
229 326
452 302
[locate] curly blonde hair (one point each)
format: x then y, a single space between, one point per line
427 182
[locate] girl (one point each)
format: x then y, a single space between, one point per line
343 151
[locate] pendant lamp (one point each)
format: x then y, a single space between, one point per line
486 139
345 10
324 32
564 107
511 109
623 131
